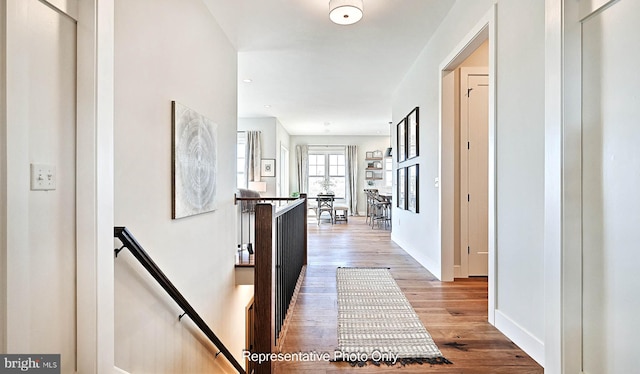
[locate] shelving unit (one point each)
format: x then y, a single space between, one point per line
374 165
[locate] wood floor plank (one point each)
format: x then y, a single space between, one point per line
455 313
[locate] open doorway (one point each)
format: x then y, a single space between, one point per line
467 158
465 148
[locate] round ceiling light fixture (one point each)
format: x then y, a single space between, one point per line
345 12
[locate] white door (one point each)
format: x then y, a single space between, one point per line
474 171
610 184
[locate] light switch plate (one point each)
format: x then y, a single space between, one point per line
43 177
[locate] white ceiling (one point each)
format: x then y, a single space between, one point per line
319 77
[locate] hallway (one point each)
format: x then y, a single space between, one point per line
454 313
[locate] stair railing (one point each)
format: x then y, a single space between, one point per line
129 242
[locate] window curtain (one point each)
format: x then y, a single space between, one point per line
253 155
302 167
351 178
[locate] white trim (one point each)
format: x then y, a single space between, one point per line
563 187
94 200
521 337
590 8
553 186
483 30
68 8
457 273
432 266
117 370
18 316
3 179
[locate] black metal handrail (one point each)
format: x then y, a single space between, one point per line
129 242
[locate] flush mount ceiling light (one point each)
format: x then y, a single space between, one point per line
345 12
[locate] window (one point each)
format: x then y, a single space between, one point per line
241 179
327 163
388 171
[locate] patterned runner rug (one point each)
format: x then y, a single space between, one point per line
376 323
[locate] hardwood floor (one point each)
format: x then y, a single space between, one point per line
455 313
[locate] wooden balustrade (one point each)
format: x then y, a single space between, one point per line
280 257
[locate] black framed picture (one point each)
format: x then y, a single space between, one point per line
413 192
401 134
268 167
402 188
413 126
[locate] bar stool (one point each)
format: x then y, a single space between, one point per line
371 193
382 208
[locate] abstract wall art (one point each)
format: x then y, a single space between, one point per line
194 162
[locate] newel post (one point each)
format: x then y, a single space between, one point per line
264 299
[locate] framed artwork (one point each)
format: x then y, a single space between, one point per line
402 188
368 155
413 192
369 175
413 124
194 166
268 167
402 140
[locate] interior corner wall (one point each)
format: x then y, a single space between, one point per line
173 50
364 143
520 159
270 138
283 139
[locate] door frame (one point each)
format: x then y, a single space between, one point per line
94 177
563 181
484 30
283 177
464 255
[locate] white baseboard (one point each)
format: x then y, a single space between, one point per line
432 266
117 370
533 346
457 271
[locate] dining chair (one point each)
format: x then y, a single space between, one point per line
325 204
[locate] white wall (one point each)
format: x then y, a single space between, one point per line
173 50
418 234
273 134
520 169
520 149
283 139
38 247
364 143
